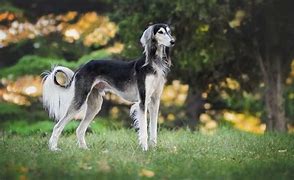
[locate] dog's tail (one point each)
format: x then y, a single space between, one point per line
58 91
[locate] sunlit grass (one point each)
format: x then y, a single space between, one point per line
114 154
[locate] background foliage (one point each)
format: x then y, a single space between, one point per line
232 71
223 62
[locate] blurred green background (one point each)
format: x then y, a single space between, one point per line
232 63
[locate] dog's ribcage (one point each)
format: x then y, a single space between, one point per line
130 93
153 85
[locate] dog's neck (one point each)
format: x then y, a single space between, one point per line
162 59
160 52
158 57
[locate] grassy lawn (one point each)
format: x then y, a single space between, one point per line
114 154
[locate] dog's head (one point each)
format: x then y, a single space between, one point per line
158 33
155 36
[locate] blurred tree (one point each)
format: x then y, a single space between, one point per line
248 40
273 50
34 36
47 19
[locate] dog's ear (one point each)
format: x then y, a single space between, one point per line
147 36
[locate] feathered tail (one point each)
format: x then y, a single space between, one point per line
58 91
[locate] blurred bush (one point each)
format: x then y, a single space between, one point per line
35 65
213 75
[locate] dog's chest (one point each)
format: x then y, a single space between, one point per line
154 82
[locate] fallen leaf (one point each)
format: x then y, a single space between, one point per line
282 150
146 173
104 166
23 170
23 177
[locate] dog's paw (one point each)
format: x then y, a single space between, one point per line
152 146
152 143
54 149
84 147
144 147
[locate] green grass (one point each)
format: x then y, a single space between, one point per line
25 128
114 154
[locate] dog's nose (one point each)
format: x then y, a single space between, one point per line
172 42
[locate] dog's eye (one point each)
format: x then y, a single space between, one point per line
160 32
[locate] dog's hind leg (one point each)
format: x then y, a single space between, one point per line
94 103
140 122
59 126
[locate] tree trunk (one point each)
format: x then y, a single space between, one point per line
276 120
194 107
271 64
271 68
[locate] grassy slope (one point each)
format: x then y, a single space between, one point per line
181 154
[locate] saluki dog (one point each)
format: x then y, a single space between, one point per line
140 81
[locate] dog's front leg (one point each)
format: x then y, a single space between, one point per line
139 114
143 135
145 90
153 109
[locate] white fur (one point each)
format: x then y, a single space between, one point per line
154 85
153 88
153 109
143 134
55 98
146 40
146 37
164 39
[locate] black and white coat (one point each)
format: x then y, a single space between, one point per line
140 81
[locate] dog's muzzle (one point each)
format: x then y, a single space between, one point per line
172 42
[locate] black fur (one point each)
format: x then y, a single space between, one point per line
158 26
126 79
118 74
